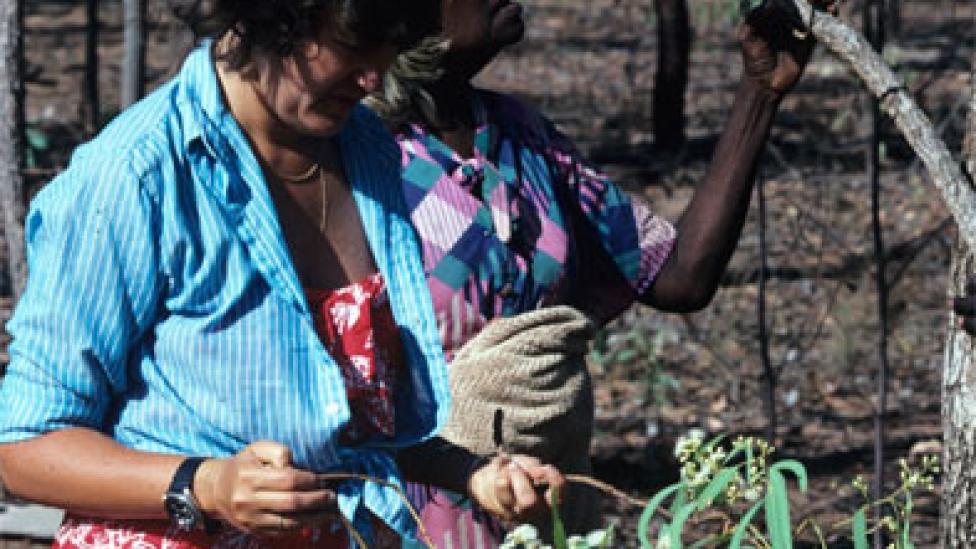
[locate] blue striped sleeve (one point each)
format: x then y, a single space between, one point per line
92 294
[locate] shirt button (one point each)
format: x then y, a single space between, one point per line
332 409
506 290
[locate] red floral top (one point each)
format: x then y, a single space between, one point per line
356 326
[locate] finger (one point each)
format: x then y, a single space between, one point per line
546 475
527 462
318 501
540 474
971 285
274 524
502 492
270 453
968 324
964 306
286 479
523 490
557 483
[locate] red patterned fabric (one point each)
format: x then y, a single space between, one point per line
357 327
83 533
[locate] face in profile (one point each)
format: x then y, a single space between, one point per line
479 29
319 85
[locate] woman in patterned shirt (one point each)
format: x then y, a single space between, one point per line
512 218
226 303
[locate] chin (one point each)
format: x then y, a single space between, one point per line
323 125
322 129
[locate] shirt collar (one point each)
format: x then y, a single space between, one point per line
200 100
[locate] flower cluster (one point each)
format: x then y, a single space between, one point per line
702 460
923 476
526 536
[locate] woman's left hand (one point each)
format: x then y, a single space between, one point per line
512 487
774 53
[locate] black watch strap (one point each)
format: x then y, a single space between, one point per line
181 487
183 477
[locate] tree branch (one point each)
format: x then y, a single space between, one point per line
946 173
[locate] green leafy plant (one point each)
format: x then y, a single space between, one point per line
637 346
898 505
729 484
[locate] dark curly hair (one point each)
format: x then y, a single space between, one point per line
278 26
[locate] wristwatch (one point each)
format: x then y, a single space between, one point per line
179 502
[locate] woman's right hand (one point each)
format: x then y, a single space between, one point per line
965 307
259 491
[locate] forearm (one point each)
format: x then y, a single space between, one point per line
437 462
88 473
710 226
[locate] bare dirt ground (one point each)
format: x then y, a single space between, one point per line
590 66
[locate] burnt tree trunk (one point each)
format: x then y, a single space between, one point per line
674 47
11 140
959 392
893 10
134 52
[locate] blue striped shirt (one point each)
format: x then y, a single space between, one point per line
164 310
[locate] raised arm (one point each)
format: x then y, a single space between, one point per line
707 233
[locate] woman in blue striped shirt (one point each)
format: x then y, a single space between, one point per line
215 280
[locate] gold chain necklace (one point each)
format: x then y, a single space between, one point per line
303 177
324 222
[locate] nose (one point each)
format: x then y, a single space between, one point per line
368 79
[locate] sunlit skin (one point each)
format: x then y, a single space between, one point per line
290 106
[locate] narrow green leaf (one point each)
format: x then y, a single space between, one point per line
679 501
743 526
678 524
733 455
778 512
906 528
860 527
716 487
558 529
645 520
795 467
906 542
708 446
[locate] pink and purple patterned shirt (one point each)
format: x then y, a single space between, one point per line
522 224
497 232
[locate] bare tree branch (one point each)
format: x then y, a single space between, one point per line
881 81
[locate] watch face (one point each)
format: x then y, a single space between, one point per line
182 509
